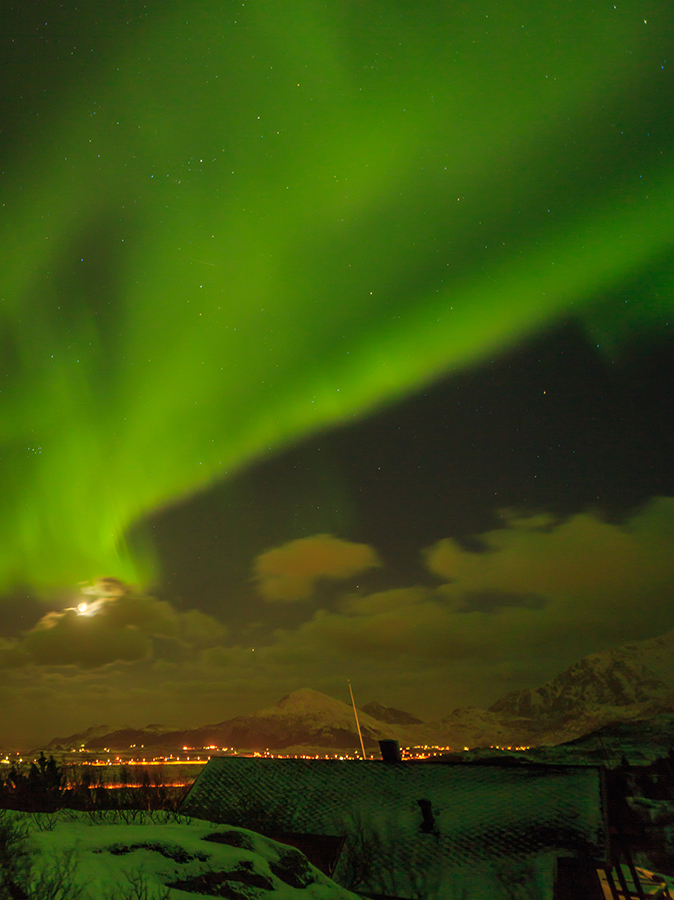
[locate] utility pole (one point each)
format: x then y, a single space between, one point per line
362 745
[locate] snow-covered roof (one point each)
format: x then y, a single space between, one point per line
476 815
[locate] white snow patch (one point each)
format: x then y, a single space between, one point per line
161 849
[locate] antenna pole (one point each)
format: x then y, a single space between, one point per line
362 745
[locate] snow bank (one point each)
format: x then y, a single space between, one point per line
126 855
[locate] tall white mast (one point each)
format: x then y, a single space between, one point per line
362 745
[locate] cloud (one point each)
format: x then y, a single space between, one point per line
543 594
290 572
582 564
121 627
12 654
88 641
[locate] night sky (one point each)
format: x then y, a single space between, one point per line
340 332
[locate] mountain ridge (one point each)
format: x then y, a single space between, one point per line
619 684
616 677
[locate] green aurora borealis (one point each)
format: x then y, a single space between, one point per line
233 225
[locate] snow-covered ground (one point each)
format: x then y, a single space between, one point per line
156 856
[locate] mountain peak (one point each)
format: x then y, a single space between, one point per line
302 697
304 702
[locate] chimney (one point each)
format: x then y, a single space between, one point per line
390 751
428 823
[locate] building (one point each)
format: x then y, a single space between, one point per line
424 830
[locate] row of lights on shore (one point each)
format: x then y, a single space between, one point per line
420 752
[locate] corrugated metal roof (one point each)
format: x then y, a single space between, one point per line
482 815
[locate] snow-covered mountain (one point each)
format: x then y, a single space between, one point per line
105 736
633 681
473 727
638 673
302 718
630 682
623 683
80 739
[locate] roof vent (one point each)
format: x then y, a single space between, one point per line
390 751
